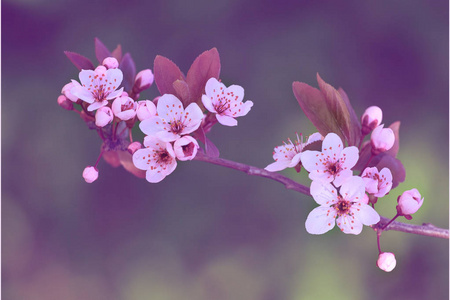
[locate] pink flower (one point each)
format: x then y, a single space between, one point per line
386 261
124 108
346 207
97 87
371 119
172 120
144 80
333 164
103 116
288 155
382 139
146 109
90 174
378 184
158 159
66 91
225 102
185 148
409 202
110 63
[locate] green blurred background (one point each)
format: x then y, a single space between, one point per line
207 232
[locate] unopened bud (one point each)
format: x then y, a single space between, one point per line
66 91
143 81
65 103
371 119
185 148
133 147
103 116
386 261
409 202
382 139
124 108
90 174
146 109
110 63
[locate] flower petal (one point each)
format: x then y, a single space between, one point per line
277 166
206 100
320 220
349 224
365 214
311 160
142 158
226 120
349 157
323 193
353 189
332 144
169 107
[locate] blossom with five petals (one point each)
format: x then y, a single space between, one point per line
225 102
172 120
346 207
377 183
333 164
158 159
97 87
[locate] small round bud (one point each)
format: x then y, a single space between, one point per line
66 91
65 103
100 71
110 63
146 109
382 139
371 119
103 116
90 174
386 261
133 147
409 202
143 81
185 148
124 108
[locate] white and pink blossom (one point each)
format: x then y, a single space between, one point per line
377 183
333 164
144 79
172 120
97 87
382 139
103 116
288 155
386 261
124 108
90 174
145 110
345 207
409 202
158 159
371 119
225 102
185 148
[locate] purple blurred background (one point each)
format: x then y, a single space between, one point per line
207 232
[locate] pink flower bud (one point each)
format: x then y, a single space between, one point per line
386 261
124 108
409 202
382 139
133 147
110 63
144 80
185 148
65 103
100 71
146 109
90 174
371 119
103 116
66 91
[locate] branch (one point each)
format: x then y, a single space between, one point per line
426 229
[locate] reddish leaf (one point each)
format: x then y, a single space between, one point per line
101 52
129 72
182 90
354 134
394 150
315 146
117 53
204 67
112 158
81 62
166 72
364 155
126 159
315 108
211 149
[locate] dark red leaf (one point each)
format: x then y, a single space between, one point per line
166 72
126 159
129 72
182 90
211 149
394 150
81 62
396 167
204 67
117 53
101 52
354 133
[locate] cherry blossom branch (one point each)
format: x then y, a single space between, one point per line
425 229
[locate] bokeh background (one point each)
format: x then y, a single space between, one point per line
207 232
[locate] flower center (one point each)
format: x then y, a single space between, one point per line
188 149
222 106
176 126
100 93
126 106
333 168
164 157
342 207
